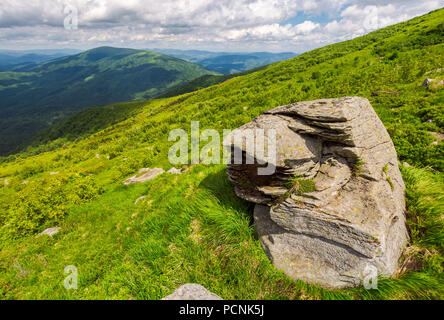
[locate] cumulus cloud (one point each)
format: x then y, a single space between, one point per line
217 24
272 32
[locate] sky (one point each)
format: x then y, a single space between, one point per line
215 25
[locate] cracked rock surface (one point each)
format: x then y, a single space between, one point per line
352 217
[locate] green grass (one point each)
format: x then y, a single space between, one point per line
389 180
204 81
191 227
81 125
299 185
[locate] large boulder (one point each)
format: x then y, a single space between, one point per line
335 204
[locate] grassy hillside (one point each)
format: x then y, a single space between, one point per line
41 95
204 82
80 125
94 119
191 227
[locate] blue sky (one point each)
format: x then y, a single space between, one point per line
322 18
218 25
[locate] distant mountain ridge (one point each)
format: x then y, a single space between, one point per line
12 60
228 62
38 96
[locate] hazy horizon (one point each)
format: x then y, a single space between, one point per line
147 49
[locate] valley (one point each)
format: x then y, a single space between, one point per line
38 96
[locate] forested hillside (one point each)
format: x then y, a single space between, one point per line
38 96
191 227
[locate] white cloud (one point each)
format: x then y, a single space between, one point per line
306 27
217 24
272 32
357 20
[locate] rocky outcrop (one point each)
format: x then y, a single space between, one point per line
139 199
174 170
434 71
427 82
438 136
192 291
335 203
50 231
143 175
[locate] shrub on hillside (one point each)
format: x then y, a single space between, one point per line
46 205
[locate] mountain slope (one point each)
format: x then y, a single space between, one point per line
192 227
228 63
204 82
94 119
42 95
233 63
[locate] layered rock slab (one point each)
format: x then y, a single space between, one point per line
354 216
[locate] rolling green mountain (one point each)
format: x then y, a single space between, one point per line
12 60
191 227
38 96
225 62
